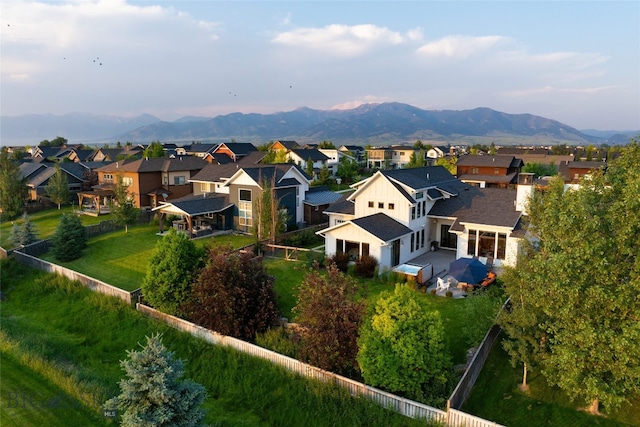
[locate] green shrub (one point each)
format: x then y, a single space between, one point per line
449 294
278 340
315 257
366 266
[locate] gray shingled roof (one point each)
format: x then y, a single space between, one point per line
490 206
416 178
342 206
160 164
314 155
215 173
382 226
506 179
201 204
318 198
486 161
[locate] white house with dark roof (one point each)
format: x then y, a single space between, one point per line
396 216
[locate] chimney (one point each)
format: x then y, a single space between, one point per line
524 191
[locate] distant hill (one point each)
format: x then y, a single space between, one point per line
375 124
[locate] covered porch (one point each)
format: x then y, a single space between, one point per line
199 216
96 202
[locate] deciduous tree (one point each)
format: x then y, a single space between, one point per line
330 314
123 207
402 348
581 281
155 149
13 187
58 187
233 295
69 239
173 266
155 392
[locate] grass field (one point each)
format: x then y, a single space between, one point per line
58 338
46 223
496 396
121 259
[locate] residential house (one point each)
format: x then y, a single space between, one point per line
284 145
572 171
200 215
435 153
316 201
300 157
235 150
398 215
198 149
394 157
334 156
116 154
357 151
39 174
489 171
151 180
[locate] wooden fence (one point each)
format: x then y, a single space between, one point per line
90 282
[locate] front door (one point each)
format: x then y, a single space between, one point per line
447 239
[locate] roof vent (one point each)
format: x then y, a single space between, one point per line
427 175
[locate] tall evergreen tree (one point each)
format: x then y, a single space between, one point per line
24 233
155 394
70 238
13 187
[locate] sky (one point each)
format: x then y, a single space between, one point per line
577 62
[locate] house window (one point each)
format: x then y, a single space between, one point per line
339 246
178 180
502 246
353 249
413 212
401 153
365 249
486 244
419 210
370 204
165 180
424 207
422 239
204 187
496 171
474 171
471 248
107 177
391 206
413 241
127 181
380 205
419 195
245 209
417 240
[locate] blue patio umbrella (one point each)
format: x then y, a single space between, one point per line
468 270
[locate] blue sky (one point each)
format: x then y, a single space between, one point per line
577 62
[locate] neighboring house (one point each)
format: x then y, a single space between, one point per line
435 153
235 150
397 215
53 154
201 215
395 157
284 145
39 174
116 154
489 171
243 184
357 151
572 172
316 201
152 180
82 156
199 149
300 157
334 156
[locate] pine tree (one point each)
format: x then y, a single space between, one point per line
25 233
70 238
155 394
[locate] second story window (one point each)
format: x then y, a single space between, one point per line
391 206
107 177
380 205
474 171
127 181
178 180
370 204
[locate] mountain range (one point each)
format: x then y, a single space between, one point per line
374 124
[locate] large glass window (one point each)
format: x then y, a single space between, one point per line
339 246
486 244
178 180
245 209
472 242
502 246
413 240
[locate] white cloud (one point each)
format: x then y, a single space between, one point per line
338 39
459 47
369 99
551 89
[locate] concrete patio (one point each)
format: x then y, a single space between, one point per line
440 261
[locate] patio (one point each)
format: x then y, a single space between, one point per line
440 260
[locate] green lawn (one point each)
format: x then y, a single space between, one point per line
59 338
46 223
121 259
496 397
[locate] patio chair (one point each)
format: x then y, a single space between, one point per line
442 285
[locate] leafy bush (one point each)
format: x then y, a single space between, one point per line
315 257
278 340
302 238
341 260
366 266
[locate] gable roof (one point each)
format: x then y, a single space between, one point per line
159 164
489 161
215 173
382 226
342 206
289 145
418 178
237 148
200 148
197 205
312 154
487 206
318 198
253 158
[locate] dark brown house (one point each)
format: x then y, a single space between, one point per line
489 171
